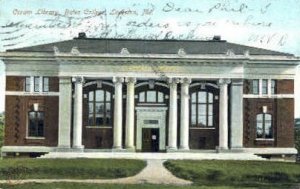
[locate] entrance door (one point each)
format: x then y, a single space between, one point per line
150 137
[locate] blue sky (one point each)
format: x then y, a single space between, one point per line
266 24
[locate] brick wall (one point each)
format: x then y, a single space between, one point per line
17 108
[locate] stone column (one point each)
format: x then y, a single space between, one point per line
184 114
77 129
172 144
223 110
64 118
236 115
129 138
117 142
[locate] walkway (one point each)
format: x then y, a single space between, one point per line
154 173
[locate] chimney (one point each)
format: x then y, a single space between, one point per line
217 38
81 35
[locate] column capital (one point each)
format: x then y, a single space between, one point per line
78 79
173 80
237 82
223 81
185 80
117 80
130 80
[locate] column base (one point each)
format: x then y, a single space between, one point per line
172 149
117 149
184 149
63 149
130 149
221 149
78 148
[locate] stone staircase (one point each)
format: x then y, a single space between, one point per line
160 156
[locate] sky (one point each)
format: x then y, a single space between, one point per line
270 24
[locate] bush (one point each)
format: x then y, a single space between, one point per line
297 139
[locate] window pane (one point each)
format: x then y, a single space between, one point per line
40 128
273 86
210 109
210 120
91 107
91 119
40 115
193 120
194 97
202 109
202 120
151 96
27 84
210 97
36 84
259 117
268 117
108 109
46 84
202 97
91 96
264 86
142 96
193 109
255 86
108 96
32 128
160 97
259 130
31 115
99 119
99 95
99 108
268 129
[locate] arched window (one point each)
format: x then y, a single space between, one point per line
264 126
151 96
202 104
100 105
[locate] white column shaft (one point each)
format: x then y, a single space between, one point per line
129 138
223 126
173 117
117 144
236 117
77 130
184 117
64 118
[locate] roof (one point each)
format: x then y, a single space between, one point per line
141 46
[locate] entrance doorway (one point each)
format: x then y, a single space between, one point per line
150 139
151 129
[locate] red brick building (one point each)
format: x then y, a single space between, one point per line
149 95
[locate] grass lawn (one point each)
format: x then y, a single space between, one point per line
237 173
69 168
116 186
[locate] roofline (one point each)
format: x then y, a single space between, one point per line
251 58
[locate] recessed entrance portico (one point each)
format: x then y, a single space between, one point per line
151 118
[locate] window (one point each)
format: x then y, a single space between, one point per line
264 128
36 124
202 109
255 86
264 86
100 105
151 96
27 84
45 84
273 86
36 84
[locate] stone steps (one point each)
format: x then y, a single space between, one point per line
160 156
